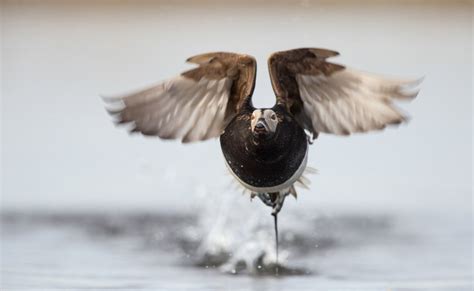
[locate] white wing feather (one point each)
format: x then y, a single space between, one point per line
179 108
350 101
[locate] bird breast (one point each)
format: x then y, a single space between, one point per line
266 166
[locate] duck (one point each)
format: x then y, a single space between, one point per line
265 149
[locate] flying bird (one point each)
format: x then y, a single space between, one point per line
265 149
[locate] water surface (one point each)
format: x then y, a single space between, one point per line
164 251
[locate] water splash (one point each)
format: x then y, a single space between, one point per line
238 236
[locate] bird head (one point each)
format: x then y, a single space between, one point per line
264 123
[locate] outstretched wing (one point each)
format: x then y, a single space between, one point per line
195 105
330 98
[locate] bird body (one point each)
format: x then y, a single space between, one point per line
266 150
265 162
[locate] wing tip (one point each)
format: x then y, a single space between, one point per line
109 99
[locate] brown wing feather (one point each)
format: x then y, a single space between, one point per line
195 105
330 98
241 69
284 67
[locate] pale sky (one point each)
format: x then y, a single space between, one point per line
61 151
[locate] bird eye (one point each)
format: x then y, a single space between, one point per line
273 117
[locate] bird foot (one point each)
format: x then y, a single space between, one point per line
266 199
273 200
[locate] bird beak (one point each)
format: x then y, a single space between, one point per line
260 127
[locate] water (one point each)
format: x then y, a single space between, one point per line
230 246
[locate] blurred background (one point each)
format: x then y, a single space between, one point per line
85 205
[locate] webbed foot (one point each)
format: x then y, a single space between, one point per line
278 203
266 199
274 200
